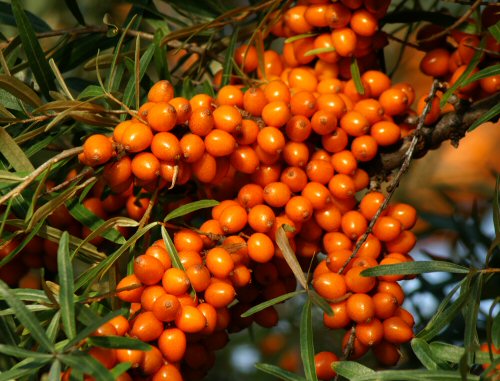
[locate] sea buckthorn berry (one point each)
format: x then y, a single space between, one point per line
404 213
152 361
323 362
204 101
344 41
404 243
120 128
247 133
190 320
392 288
161 91
201 121
396 331
370 109
205 168
323 122
330 285
303 78
329 86
352 93
337 15
358 349
137 137
172 344
246 58
329 218
148 269
458 73
250 195
296 154
271 140
182 109
318 195
358 283
98 149
386 353
168 372
354 224
364 148
371 248
393 101
295 178
133 356
385 133
387 228
191 146
324 41
150 295
360 308
336 141
254 101
333 103
162 117
134 289
298 128
227 118
199 277
385 305
295 19
145 166
434 113
344 162
260 248
219 262
277 194
261 218
230 95
233 219
370 333
136 207
219 294
299 209
175 281
244 159
355 124
187 239
320 171
241 276
165 146
466 48
121 324
315 15
303 103
219 143
364 23
342 186
406 316
273 65
336 241
276 91
190 258
361 179
106 329
435 63
146 327
370 204
276 113
266 174
118 172
339 319
166 307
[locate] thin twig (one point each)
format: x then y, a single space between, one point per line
404 167
455 25
401 41
31 177
86 171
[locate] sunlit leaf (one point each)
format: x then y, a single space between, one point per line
66 297
307 342
278 372
172 251
487 116
351 369
20 90
190 208
55 371
320 302
117 342
131 87
356 76
418 267
423 352
290 258
14 351
453 353
88 365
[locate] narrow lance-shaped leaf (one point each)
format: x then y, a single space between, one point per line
487 116
20 90
190 208
75 11
282 374
117 342
26 317
13 153
418 267
36 56
271 302
88 365
424 353
55 371
66 283
307 342
356 77
351 369
289 255
229 59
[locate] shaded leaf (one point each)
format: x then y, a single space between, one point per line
495 331
351 369
307 342
13 153
53 327
172 251
487 116
26 317
118 342
423 352
190 208
160 55
413 375
20 90
278 372
7 18
36 57
14 351
91 91
75 11
93 222
24 368
271 302
88 365
495 31
419 267
489 71
289 255
55 371
116 54
229 59
66 297
320 302
132 85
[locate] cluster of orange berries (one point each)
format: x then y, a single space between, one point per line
449 61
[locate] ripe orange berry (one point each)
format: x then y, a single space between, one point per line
148 269
233 219
337 15
254 101
370 333
387 228
190 319
276 113
392 288
364 23
358 283
358 349
295 19
172 344
98 149
303 103
145 166
403 243
227 118
246 58
219 262
175 281
396 331
336 241
162 117
330 285
386 353
261 218
344 41
136 207
394 101
146 327
385 133
250 195
364 148
132 356
135 291
435 63
277 194
355 124
230 95
219 294
204 101
317 194
340 319
303 78
323 122
323 362
205 169
219 143
191 146
385 305
165 146
182 109
360 307
342 186
299 209
201 121
168 372
333 103
150 295
434 113
136 137
161 91
344 162
166 308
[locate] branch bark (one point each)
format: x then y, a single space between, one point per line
452 126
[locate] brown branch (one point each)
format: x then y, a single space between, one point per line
452 126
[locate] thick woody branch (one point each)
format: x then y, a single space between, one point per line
452 126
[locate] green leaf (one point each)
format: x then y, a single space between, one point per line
487 116
419 267
93 222
496 207
131 87
465 75
75 11
88 365
290 258
120 368
11 350
356 76
36 57
66 283
55 371
313 52
471 310
278 372
320 302
489 71
307 342
20 90
27 318
91 91
452 353
172 251
7 18
160 55
423 352
13 153
116 55
26 367
351 369
118 342
299 37
495 31
190 208
91 328
8 331
53 327
229 58
413 375
495 331
271 302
